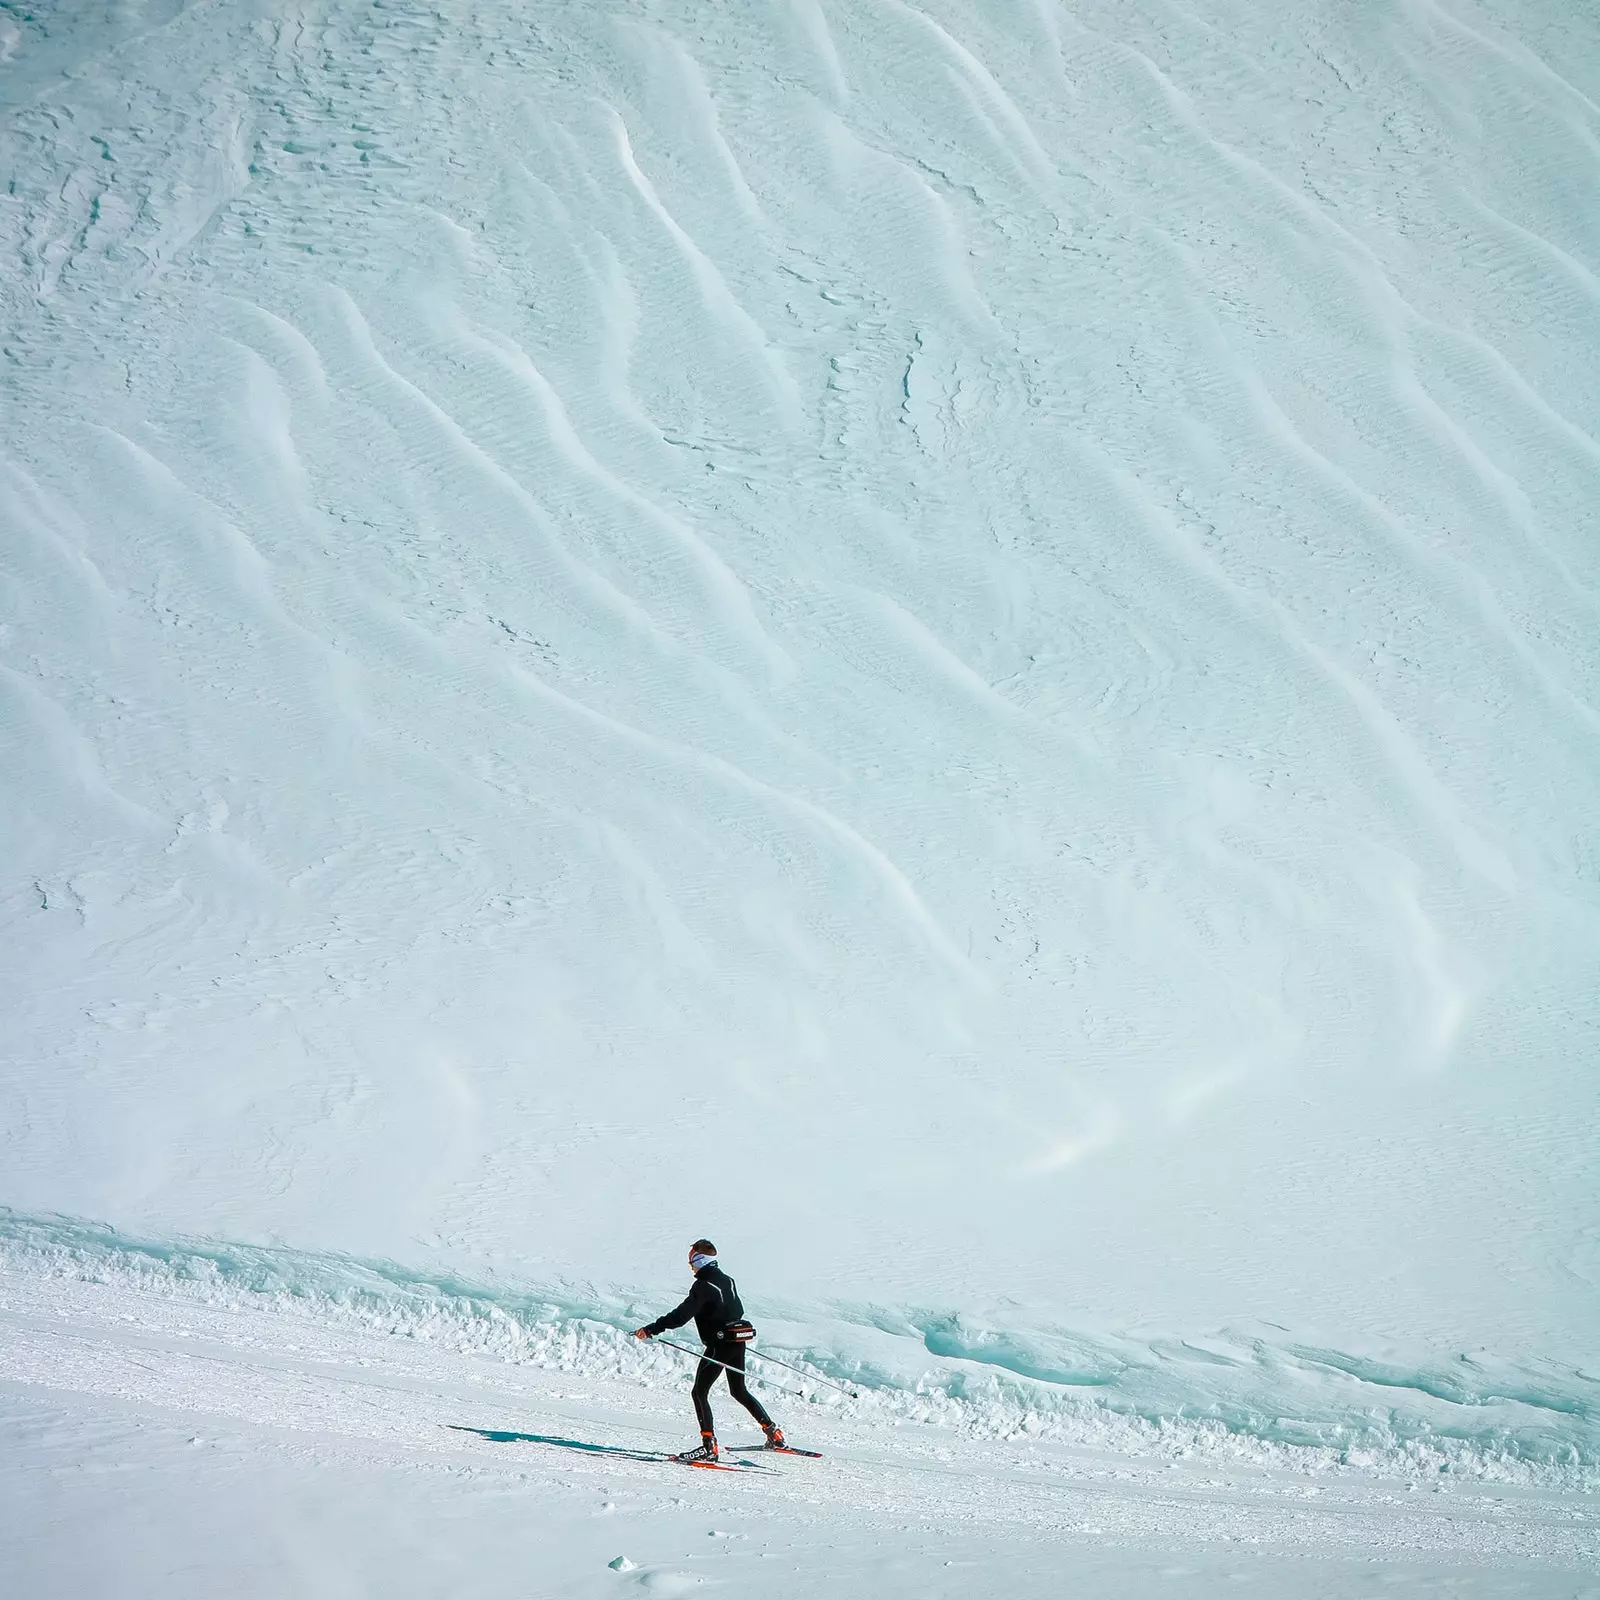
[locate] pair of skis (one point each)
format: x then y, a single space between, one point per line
625 1453
747 1450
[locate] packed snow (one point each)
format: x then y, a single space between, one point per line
956 643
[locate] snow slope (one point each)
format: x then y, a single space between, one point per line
955 643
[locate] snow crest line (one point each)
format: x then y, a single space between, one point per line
1230 1395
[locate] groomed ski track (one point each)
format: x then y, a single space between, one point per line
178 1432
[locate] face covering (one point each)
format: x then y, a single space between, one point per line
698 1261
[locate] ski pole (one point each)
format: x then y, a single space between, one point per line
757 1354
810 1375
714 1362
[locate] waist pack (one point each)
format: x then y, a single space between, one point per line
738 1333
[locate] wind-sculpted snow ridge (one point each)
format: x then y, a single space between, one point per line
1245 1398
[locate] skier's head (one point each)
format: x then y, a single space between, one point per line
701 1254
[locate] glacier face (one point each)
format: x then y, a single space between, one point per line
957 643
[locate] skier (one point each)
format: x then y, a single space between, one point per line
714 1304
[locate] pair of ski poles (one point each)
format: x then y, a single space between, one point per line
759 1357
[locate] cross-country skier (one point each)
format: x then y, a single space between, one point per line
714 1304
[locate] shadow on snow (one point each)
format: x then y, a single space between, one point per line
505 1436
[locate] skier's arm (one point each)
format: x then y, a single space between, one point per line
675 1318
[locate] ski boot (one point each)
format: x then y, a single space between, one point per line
774 1433
706 1452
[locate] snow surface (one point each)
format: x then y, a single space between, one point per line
959 644
260 1449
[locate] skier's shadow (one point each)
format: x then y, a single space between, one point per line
505 1436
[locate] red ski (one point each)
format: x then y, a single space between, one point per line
695 1458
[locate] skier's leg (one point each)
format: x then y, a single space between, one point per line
733 1354
705 1375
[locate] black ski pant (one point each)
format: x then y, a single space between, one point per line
707 1374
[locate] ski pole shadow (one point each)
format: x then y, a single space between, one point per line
507 1436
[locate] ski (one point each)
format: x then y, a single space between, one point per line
773 1450
693 1458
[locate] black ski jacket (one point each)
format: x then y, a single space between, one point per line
713 1302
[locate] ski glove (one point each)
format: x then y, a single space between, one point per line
642 1333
